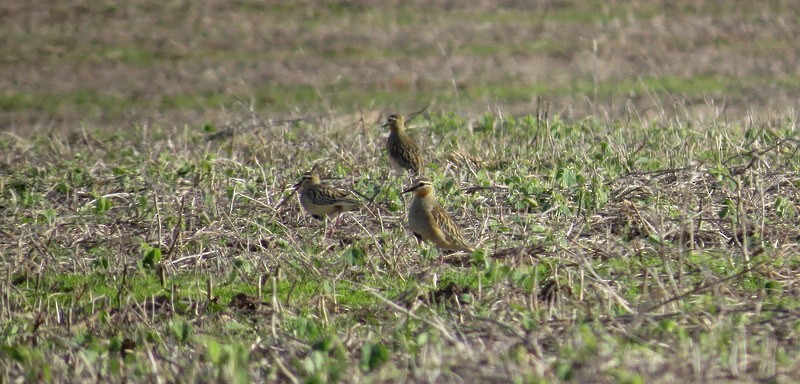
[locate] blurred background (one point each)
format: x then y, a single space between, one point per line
110 64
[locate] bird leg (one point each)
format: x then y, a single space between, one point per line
328 231
333 225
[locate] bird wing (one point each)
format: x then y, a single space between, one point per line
406 152
327 195
451 231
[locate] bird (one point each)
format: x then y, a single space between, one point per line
323 201
403 152
430 222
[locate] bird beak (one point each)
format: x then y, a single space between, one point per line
385 125
409 189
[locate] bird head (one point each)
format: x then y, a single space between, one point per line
308 179
421 188
395 122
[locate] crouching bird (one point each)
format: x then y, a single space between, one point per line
322 201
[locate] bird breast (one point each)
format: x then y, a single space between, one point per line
419 217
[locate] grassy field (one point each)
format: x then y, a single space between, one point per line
657 253
628 172
111 64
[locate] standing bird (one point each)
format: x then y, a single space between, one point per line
429 221
322 200
403 153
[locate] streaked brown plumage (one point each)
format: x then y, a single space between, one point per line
403 152
322 200
429 221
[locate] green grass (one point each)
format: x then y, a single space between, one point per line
608 251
